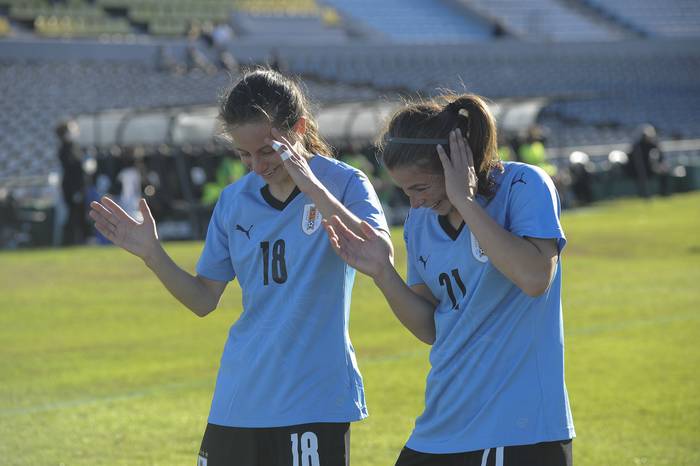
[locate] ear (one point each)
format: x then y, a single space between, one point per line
300 127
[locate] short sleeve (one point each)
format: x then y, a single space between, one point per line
215 261
412 275
533 206
361 199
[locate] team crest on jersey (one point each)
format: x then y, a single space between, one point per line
311 220
477 252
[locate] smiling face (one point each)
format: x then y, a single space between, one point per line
424 188
256 154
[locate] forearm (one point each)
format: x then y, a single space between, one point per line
186 288
515 257
415 312
329 206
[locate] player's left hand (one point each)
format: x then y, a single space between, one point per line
297 166
460 176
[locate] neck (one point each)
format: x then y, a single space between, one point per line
454 218
283 188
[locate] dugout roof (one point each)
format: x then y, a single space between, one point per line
353 124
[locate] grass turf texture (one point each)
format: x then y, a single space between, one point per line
100 366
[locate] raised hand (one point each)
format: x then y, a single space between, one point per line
460 176
296 165
371 255
139 238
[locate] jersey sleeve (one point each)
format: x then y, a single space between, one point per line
412 275
215 261
361 199
534 207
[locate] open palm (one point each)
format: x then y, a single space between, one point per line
139 238
370 255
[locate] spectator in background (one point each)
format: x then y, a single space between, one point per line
8 219
532 151
228 171
646 161
94 192
580 179
130 179
498 30
276 62
221 35
505 151
73 183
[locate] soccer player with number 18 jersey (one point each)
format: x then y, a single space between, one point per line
288 383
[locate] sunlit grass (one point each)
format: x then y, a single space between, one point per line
100 366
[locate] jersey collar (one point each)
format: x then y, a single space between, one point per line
273 201
448 228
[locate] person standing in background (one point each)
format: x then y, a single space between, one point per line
73 183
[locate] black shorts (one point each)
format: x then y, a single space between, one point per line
540 454
319 444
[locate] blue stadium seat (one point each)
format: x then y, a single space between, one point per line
415 21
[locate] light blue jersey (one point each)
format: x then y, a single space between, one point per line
497 375
288 359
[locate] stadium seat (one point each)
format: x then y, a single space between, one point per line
551 20
415 21
671 18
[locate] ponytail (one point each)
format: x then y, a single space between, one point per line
418 125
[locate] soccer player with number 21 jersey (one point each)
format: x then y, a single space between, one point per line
483 287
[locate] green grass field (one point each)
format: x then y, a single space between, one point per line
100 366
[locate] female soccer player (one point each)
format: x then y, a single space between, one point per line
483 240
288 383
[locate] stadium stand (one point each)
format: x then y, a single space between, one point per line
552 20
117 60
280 8
626 84
38 94
304 29
609 94
411 21
672 18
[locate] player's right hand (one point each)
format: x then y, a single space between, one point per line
371 255
139 238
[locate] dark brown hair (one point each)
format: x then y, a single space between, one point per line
267 95
435 119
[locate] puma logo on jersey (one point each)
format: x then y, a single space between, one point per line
519 180
247 232
423 261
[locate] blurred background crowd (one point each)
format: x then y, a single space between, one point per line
119 97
